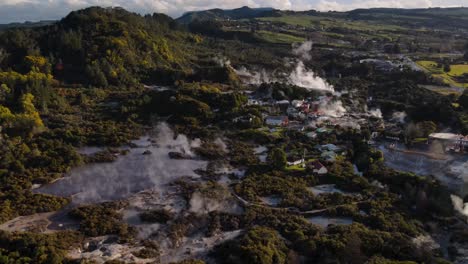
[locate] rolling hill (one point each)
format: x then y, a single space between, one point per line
220 14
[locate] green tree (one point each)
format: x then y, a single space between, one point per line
427 128
447 67
463 100
4 92
263 245
277 158
30 111
260 245
96 76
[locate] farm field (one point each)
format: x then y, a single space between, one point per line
450 77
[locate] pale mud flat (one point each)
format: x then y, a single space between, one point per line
144 178
168 197
88 151
452 172
271 200
196 247
324 221
426 242
146 166
41 223
325 189
262 153
105 251
227 170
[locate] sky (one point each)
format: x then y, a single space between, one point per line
35 10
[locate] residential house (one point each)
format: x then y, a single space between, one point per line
317 167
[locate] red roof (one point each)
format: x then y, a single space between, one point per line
316 165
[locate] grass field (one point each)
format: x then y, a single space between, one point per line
447 77
295 168
281 38
317 21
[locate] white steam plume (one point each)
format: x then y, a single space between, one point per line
459 205
333 109
307 79
221 144
399 117
299 76
254 77
222 61
130 173
376 113
303 50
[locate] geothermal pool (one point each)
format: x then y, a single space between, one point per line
324 221
453 171
325 189
130 173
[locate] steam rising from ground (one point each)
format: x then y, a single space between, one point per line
333 109
255 77
459 205
221 144
451 171
307 79
302 77
222 61
299 76
376 113
131 173
303 50
222 201
399 117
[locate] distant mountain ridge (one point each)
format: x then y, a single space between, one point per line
27 24
213 14
431 17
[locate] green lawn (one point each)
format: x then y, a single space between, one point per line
464 120
299 167
295 168
447 77
459 69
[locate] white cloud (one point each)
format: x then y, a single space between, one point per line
33 10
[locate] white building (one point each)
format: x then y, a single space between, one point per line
295 163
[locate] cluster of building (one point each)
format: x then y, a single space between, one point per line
329 153
452 142
320 116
